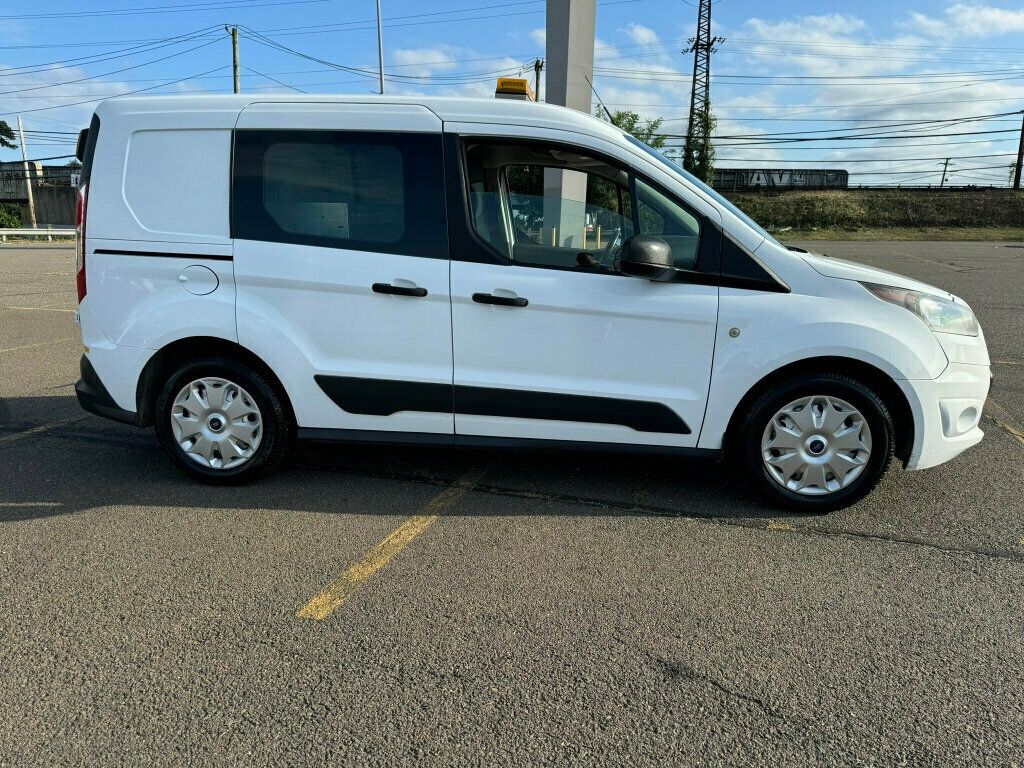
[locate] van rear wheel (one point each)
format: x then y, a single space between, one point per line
221 422
818 443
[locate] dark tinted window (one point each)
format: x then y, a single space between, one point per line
341 189
89 151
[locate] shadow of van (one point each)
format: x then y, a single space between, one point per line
55 459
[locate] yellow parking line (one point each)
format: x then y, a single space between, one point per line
39 309
8 439
40 344
336 593
1004 420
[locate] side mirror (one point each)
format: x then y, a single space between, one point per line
648 256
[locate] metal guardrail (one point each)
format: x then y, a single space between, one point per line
48 233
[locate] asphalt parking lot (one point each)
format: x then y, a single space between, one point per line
560 609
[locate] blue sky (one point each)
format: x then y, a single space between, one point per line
814 70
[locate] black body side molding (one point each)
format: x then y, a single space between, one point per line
384 397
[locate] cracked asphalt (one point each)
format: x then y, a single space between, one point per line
564 610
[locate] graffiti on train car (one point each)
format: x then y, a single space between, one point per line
781 178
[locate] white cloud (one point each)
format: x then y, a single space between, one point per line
808 28
962 20
44 92
539 36
638 33
422 62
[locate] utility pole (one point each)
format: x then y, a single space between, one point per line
234 58
945 168
1020 155
698 129
28 176
538 65
380 48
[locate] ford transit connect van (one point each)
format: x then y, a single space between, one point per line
258 270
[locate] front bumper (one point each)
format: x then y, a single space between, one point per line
947 411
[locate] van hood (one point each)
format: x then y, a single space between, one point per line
850 270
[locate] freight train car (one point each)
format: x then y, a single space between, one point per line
783 178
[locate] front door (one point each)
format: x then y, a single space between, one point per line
341 262
550 341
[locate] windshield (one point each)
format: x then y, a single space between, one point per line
678 169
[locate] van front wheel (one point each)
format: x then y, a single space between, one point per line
818 443
221 422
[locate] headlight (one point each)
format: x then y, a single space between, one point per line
941 315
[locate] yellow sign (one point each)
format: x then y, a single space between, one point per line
513 86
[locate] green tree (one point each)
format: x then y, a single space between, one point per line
10 215
6 136
648 131
1013 169
73 163
699 155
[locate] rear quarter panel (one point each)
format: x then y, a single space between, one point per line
158 203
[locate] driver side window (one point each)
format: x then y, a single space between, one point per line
549 207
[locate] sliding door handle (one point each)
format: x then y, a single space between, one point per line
399 290
501 301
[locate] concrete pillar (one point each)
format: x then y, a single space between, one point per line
569 62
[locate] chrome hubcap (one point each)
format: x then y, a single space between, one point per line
216 423
816 445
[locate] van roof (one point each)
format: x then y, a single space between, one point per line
447 108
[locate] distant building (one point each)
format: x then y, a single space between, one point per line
12 178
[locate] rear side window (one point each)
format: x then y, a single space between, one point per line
380 192
89 151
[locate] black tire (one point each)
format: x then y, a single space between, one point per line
854 392
277 428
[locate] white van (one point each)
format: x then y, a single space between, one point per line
259 270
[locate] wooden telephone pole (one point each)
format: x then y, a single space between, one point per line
28 175
945 169
1020 155
235 58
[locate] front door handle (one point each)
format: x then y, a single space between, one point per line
501 301
399 290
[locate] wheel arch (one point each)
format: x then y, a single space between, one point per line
881 382
168 358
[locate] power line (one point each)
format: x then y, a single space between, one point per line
114 72
781 80
816 106
189 8
126 93
268 77
847 161
98 57
851 138
55 157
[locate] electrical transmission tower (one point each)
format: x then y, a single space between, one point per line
698 153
